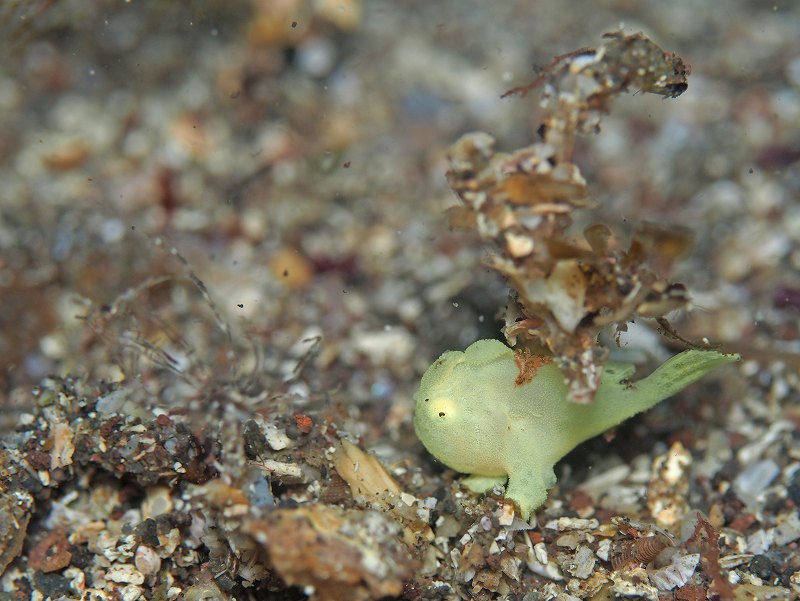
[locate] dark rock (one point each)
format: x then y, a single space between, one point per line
147 532
793 490
254 441
761 566
51 585
82 557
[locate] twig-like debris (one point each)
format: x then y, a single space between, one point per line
566 291
706 539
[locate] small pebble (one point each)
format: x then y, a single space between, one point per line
124 574
761 566
51 585
793 489
582 563
147 531
260 493
753 480
254 441
51 553
146 560
157 502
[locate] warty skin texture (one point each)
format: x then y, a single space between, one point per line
472 416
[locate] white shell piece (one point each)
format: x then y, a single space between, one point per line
676 574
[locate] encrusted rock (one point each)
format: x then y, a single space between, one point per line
336 553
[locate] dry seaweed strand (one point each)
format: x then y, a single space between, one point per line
706 539
565 292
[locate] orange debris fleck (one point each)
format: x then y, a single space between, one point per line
528 363
304 423
291 268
